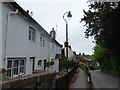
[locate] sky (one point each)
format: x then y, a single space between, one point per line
49 14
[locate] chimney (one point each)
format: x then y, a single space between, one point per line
53 33
27 11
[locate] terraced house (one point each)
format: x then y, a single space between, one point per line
25 45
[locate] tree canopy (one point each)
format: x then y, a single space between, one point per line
102 22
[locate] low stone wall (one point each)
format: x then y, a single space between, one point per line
36 80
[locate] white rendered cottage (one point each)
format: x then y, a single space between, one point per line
24 44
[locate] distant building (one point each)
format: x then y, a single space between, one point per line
70 52
26 46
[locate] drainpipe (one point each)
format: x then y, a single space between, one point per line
7 24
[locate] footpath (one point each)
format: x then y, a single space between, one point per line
79 81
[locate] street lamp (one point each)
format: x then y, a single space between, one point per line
66 42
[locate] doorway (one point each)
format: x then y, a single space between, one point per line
33 63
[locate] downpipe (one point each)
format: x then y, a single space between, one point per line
6 32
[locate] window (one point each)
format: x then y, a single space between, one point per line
22 66
51 45
55 48
9 68
32 34
41 40
15 66
39 63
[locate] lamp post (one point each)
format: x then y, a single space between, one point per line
66 42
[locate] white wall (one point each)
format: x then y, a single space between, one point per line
55 67
18 44
0 34
70 52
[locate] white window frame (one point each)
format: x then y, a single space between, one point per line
32 34
18 66
51 45
15 67
22 66
9 67
42 39
39 64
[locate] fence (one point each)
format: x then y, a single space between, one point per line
63 82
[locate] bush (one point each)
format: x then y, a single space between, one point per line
82 65
4 77
48 63
67 64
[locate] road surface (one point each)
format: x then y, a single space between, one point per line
103 80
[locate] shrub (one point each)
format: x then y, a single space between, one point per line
4 77
48 63
67 64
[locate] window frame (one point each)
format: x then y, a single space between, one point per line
39 64
22 66
15 66
51 45
32 34
42 40
9 69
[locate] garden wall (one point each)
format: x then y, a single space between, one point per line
36 80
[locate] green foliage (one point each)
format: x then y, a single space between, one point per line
63 64
99 52
109 63
71 63
4 77
52 63
102 22
67 64
82 65
48 63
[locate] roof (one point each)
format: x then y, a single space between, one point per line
20 9
59 56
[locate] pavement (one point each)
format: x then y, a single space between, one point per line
79 81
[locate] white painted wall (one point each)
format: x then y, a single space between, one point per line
0 34
55 67
56 50
70 52
18 44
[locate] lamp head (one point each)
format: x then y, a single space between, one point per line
69 15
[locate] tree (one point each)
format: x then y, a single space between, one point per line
102 22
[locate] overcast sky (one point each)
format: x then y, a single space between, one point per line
49 14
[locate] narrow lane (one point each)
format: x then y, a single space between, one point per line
103 80
80 82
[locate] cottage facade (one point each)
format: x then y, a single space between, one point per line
26 46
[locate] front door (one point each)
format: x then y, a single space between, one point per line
33 63
44 64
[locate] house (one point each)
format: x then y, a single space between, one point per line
26 46
70 52
77 56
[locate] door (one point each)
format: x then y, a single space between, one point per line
33 63
44 64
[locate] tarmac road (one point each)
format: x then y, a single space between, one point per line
103 80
